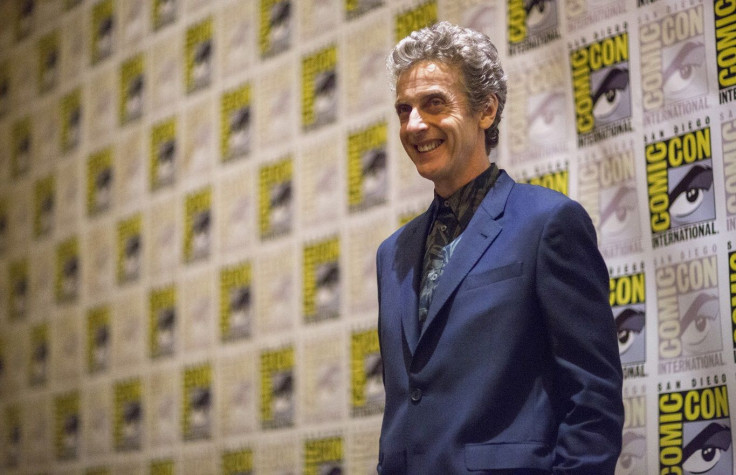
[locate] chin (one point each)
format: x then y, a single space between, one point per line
425 174
427 171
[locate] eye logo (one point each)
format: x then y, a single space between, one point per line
691 196
699 325
704 451
546 116
627 298
611 96
695 432
629 325
632 459
680 181
600 80
540 15
619 212
684 73
319 88
531 23
673 63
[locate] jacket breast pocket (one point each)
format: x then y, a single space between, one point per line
490 276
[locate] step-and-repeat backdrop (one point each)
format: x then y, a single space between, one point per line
192 192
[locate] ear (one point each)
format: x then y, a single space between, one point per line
488 114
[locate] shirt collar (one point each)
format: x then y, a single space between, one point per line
465 201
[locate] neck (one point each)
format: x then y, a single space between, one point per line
445 190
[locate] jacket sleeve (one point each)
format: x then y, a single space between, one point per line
572 286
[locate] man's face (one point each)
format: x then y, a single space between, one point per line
442 137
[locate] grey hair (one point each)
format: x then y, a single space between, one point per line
472 52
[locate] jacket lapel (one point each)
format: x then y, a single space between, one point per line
480 233
411 252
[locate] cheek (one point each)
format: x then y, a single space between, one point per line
404 137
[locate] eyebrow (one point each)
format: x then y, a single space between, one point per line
692 312
551 98
423 97
613 205
630 319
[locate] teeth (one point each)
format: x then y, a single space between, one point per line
429 146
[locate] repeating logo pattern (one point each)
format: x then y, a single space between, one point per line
192 193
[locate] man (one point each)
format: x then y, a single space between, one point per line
498 342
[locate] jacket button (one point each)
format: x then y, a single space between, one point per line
416 395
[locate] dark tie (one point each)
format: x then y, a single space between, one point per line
442 233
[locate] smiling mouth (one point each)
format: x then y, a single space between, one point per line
429 146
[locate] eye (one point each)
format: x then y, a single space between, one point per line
697 322
704 451
607 103
687 201
633 449
434 105
609 95
703 460
403 111
619 213
625 340
683 69
537 12
625 460
629 324
680 79
546 117
689 192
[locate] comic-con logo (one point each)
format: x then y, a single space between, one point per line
680 185
199 55
628 301
538 125
673 65
688 314
321 280
367 173
319 88
198 225
277 388
695 432
366 370
197 404
128 415
607 190
633 458
323 456
275 198
531 23
601 88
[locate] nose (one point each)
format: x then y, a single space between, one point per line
415 122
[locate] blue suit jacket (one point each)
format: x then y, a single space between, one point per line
517 366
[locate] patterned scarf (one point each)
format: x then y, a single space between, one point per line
452 216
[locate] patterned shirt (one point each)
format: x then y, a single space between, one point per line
450 218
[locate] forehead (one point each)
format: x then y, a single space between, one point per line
428 77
